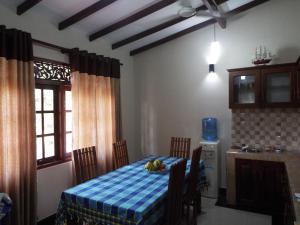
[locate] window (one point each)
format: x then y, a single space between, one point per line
46 123
53 106
68 120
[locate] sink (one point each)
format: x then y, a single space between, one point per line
246 148
251 150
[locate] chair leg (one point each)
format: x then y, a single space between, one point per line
195 209
198 201
187 210
188 213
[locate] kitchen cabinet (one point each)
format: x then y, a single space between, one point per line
298 82
259 185
288 217
246 182
245 88
270 186
262 186
265 86
279 86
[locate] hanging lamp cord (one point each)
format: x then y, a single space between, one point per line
214 32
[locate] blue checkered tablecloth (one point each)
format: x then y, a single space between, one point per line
5 206
129 196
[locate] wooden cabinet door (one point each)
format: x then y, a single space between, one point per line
270 186
259 185
244 88
278 86
288 206
245 183
298 86
298 81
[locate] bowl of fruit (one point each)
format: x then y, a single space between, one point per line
155 166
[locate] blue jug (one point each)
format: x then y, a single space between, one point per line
209 129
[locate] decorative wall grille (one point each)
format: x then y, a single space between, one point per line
52 71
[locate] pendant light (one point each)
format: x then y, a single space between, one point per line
214 53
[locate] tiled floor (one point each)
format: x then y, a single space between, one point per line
215 215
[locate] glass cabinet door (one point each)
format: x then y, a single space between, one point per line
278 86
244 88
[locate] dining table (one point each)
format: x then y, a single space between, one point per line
129 195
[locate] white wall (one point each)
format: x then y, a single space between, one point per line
53 180
175 91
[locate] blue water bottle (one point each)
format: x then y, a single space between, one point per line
209 129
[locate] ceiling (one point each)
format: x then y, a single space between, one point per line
119 10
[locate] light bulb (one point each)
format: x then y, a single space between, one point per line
214 54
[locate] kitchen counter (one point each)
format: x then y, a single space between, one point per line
291 160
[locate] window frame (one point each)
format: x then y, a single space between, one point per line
55 111
61 156
63 89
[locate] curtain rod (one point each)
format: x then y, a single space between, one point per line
56 47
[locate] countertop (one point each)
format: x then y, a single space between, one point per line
292 164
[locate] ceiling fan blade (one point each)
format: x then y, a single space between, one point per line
185 3
208 14
203 14
187 12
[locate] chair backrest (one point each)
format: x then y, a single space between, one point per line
180 147
194 173
120 154
175 193
85 163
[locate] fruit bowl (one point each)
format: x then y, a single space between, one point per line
155 166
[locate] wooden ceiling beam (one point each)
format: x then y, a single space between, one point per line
173 36
26 5
152 30
197 27
158 28
245 7
145 12
147 32
84 13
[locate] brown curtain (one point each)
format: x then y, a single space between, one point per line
17 125
96 104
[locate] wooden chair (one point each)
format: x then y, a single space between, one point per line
85 162
175 190
180 147
193 196
120 154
